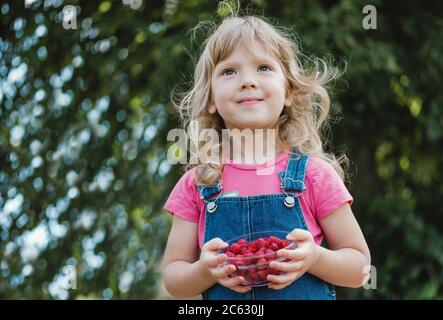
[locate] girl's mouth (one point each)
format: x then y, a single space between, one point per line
250 102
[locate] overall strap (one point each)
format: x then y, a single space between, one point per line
294 176
206 192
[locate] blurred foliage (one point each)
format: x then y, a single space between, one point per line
85 113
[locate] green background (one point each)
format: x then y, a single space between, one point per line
84 115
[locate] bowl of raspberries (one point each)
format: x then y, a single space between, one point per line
252 253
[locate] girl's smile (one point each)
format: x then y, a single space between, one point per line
250 102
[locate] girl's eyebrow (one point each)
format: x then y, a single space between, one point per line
225 63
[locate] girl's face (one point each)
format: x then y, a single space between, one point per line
249 91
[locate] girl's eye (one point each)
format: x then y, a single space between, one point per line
226 72
264 66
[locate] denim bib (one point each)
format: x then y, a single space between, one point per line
231 217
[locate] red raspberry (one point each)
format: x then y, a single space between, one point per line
239 263
284 243
243 242
262 274
235 248
261 252
260 243
248 257
274 240
274 271
242 272
252 275
230 254
262 263
270 254
244 250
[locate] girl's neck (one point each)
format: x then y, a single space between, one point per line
256 147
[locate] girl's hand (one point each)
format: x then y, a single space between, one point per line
302 258
213 267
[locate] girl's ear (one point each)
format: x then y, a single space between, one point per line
289 96
212 109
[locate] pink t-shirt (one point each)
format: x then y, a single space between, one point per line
325 191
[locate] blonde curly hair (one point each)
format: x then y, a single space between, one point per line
299 124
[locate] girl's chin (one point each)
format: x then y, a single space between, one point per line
252 125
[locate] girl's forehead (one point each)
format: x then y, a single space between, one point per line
254 50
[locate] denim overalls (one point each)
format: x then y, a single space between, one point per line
231 217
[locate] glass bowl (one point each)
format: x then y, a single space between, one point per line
252 253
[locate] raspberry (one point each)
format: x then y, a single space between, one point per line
274 271
270 254
230 254
261 251
284 243
252 275
261 263
235 248
260 243
274 240
275 246
263 274
244 250
239 263
252 258
248 257
243 242
242 272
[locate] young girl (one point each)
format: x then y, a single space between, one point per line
249 77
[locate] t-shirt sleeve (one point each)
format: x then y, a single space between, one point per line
329 190
182 200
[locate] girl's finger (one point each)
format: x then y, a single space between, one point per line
224 271
215 244
221 257
286 266
231 282
295 254
284 278
299 235
216 259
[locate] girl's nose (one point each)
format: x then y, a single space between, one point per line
248 82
